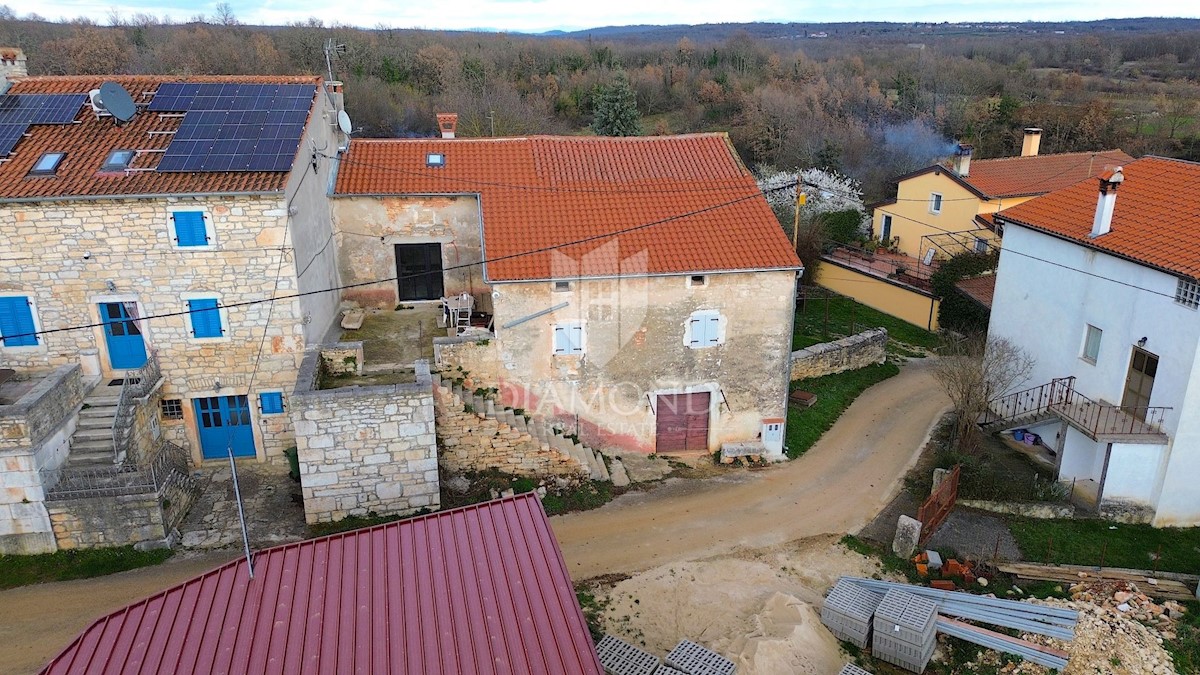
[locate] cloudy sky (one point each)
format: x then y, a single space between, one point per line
540 15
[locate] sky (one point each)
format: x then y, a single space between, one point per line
542 15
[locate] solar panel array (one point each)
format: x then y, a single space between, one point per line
234 127
19 111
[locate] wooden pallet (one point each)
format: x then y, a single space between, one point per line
1163 585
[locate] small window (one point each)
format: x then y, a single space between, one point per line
17 327
568 338
172 408
981 245
271 402
205 316
435 160
1187 293
885 228
1091 344
191 229
935 202
47 164
118 160
697 280
704 329
562 286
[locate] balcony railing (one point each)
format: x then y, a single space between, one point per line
1094 418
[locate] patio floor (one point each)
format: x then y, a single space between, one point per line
397 338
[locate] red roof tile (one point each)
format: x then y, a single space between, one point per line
980 289
89 141
1039 174
545 191
477 590
1155 220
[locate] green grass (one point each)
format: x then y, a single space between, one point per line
834 393
1185 648
590 495
1082 542
22 570
847 317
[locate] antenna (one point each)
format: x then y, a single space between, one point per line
113 98
332 48
343 121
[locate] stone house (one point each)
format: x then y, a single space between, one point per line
636 292
144 223
1100 283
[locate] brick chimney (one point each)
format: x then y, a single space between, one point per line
12 65
962 159
1032 142
1107 201
448 123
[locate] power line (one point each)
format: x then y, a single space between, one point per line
545 249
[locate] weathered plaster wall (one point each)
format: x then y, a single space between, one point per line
471 441
849 353
635 332
370 227
365 450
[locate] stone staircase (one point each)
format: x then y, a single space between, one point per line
92 442
540 431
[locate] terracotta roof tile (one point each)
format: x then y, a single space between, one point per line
1155 220
1039 174
980 288
544 191
89 140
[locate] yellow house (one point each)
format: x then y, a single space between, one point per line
947 209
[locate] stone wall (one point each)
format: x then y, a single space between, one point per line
365 450
343 358
1044 510
473 441
35 434
99 522
849 353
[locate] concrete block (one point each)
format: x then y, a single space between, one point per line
908 533
620 478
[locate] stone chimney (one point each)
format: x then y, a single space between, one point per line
1032 142
12 65
448 123
962 159
1107 201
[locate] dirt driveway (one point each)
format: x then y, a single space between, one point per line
843 481
837 487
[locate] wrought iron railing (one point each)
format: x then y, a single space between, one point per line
135 385
166 466
1028 402
1059 398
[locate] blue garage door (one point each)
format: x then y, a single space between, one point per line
224 422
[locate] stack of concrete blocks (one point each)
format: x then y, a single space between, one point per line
904 630
848 610
851 669
621 658
693 659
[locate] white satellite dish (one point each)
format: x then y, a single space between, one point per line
344 122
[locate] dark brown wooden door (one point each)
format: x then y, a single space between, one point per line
683 422
419 271
1143 366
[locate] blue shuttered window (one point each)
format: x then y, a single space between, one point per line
568 338
206 318
190 229
271 402
16 322
704 329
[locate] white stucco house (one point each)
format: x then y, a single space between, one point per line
1100 284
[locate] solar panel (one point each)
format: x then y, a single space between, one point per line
186 97
9 135
40 108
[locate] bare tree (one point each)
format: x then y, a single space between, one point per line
974 371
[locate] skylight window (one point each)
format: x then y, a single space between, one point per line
118 160
435 160
47 164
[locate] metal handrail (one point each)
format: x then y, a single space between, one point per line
1034 400
146 377
1059 397
168 465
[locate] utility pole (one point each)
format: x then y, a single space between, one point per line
801 200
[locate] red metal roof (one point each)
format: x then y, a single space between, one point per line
545 191
1154 222
476 590
89 140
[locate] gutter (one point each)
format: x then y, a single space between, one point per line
156 195
799 269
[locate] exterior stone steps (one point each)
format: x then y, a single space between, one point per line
92 442
92 433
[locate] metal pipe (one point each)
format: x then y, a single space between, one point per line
958 597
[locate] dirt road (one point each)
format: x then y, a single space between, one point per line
837 487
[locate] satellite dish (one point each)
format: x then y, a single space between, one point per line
117 101
344 122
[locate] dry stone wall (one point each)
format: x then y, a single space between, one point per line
107 521
849 353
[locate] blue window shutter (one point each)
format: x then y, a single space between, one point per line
713 332
206 318
560 340
697 337
271 402
189 228
16 319
576 337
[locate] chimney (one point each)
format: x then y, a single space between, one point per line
1032 142
447 122
962 159
1107 201
12 64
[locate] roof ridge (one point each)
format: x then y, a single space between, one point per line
1179 160
549 137
1080 153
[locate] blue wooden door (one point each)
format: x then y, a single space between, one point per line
126 348
224 422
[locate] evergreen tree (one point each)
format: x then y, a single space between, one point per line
616 112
